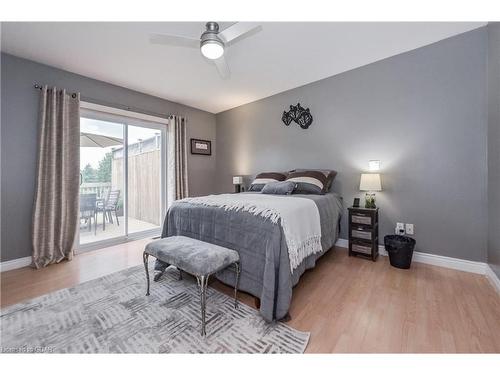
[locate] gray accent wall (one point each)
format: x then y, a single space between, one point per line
422 113
494 147
19 131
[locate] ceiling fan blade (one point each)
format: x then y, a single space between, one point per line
174 40
237 30
222 67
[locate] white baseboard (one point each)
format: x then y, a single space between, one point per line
493 278
435 260
14 264
453 263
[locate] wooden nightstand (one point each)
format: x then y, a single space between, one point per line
363 232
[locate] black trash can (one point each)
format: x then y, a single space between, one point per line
400 249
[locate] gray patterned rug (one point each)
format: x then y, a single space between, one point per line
112 315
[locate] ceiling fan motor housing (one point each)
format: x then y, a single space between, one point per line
211 34
212 47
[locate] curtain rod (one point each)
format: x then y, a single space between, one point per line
114 105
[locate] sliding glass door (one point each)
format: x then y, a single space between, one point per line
122 177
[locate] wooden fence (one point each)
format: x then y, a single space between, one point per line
144 174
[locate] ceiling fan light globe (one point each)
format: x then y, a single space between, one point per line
212 49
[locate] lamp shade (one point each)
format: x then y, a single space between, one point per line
237 180
370 182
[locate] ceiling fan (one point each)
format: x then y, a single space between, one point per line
212 43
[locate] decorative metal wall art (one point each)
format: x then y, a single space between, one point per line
299 115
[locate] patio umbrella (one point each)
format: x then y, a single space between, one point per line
98 140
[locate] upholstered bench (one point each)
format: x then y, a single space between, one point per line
198 258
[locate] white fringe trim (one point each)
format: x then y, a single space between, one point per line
297 252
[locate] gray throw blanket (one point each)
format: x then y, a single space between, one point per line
265 266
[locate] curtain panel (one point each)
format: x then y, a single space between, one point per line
177 173
56 201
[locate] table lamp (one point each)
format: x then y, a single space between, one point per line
237 181
370 182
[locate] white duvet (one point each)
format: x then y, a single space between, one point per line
299 218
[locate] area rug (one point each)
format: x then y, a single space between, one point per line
112 315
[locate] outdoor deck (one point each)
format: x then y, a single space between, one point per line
112 229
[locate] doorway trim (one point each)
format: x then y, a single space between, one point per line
123 112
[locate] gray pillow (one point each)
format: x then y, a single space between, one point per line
263 178
279 188
305 188
328 173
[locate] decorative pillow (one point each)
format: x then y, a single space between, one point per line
329 174
279 187
309 182
263 178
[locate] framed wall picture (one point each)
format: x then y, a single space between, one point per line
201 147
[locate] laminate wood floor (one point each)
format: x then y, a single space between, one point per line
348 304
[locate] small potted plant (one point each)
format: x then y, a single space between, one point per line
370 201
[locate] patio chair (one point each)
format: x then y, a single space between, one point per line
88 210
110 205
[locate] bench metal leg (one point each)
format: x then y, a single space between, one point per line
145 257
237 266
203 283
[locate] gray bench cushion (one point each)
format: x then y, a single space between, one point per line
193 256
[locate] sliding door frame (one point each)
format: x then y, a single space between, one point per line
127 118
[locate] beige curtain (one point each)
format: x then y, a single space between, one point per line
177 174
56 205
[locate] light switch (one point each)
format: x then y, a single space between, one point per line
409 229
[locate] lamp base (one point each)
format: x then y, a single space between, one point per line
237 188
370 200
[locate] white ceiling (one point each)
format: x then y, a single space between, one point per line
278 58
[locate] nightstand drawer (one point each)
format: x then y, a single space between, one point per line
364 234
361 219
361 248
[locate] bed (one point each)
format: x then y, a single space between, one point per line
266 271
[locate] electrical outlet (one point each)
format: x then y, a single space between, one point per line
400 228
410 229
